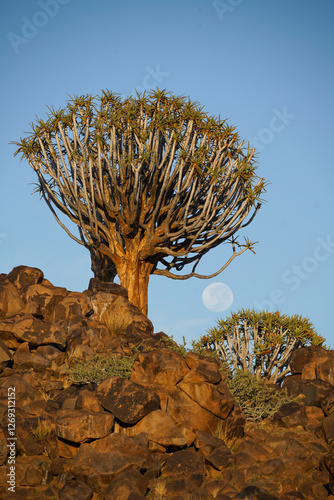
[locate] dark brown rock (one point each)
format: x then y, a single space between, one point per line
5 355
26 328
291 415
313 391
126 400
328 428
74 488
253 492
325 370
23 277
23 359
159 428
99 469
79 426
304 355
126 483
188 464
24 393
202 370
215 398
117 313
11 302
163 367
219 458
95 285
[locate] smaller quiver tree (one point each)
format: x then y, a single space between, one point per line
260 342
152 183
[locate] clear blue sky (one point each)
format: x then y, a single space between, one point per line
267 66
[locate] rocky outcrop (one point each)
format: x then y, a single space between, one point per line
170 430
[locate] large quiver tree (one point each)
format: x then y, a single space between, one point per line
152 182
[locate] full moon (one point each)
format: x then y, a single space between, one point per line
217 297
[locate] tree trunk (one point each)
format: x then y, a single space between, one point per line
134 275
102 266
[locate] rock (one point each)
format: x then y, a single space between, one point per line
304 355
328 428
160 429
202 369
325 370
216 399
69 310
88 332
187 464
74 488
87 401
290 415
186 413
95 285
4 449
327 404
5 355
127 401
51 353
24 393
219 458
253 492
207 441
79 426
117 313
313 391
11 302
26 328
99 469
163 367
81 353
136 446
125 484
42 296
23 277
24 360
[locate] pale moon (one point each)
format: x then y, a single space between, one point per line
217 297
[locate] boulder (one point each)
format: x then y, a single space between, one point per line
24 360
74 488
135 446
24 393
163 367
26 328
313 392
41 296
23 277
291 415
5 355
328 428
11 302
128 485
127 401
216 399
304 355
187 464
159 428
79 426
117 313
325 370
99 469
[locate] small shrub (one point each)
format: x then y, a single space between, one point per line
42 431
99 367
256 399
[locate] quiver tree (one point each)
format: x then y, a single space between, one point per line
152 182
260 342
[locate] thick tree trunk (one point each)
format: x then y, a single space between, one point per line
102 266
134 275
